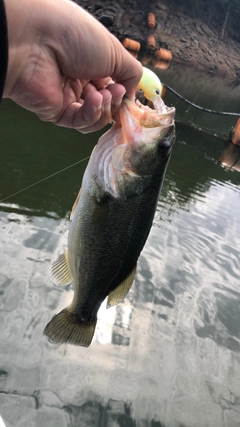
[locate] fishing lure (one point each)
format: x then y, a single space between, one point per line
150 85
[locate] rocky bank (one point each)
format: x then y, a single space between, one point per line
191 41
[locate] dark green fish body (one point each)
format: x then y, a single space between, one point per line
112 218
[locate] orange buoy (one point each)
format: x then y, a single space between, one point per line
235 133
230 157
164 54
146 59
133 53
151 20
162 65
131 45
151 42
164 90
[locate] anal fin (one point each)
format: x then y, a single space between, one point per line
119 293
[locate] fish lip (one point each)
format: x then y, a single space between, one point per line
168 114
140 105
168 117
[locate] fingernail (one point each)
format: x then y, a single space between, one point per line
110 82
117 102
107 105
98 107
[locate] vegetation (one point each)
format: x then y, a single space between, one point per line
222 15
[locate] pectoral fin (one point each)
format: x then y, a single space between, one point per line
119 293
60 272
75 205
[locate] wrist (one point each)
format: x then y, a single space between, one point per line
3 47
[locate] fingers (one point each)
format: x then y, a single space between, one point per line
117 91
102 52
87 120
96 110
127 71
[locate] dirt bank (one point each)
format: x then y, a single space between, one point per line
191 41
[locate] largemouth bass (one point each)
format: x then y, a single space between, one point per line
112 217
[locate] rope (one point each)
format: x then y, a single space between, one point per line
223 113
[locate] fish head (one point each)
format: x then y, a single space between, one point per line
135 150
149 135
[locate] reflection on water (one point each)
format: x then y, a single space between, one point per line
208 91
230 157
169 355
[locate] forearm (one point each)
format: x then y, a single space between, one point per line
3 47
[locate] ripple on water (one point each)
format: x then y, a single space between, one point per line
164 360
196 252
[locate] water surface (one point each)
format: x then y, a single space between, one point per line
169 355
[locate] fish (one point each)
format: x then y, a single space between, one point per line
150 85
112 217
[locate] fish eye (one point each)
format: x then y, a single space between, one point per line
164 147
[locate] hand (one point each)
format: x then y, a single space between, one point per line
62 62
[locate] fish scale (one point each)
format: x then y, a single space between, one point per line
131 216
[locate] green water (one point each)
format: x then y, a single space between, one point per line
169 355
204 89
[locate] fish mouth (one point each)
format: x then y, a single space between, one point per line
157 106
160 116
161 108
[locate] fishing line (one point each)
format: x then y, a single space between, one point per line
44 179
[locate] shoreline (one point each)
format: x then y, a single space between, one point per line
192 42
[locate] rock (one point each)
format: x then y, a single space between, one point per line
107 20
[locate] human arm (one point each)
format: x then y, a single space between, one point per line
3 47
60 59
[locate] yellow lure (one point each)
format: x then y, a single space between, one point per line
150 85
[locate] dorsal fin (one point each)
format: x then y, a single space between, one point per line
119 293
60 272
75 204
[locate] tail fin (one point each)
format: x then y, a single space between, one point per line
67 327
